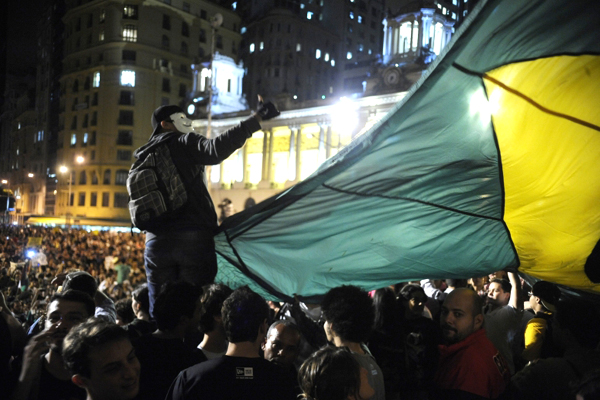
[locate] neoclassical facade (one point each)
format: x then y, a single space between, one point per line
421 33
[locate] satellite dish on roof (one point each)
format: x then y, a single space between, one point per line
216 20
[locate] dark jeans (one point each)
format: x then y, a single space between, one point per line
188 256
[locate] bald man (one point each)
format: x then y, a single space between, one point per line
469 363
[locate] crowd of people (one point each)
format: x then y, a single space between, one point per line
77 322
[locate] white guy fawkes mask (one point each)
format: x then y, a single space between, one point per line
182 122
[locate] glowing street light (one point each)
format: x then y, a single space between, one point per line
63 170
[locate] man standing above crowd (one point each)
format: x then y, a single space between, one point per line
43 373
503 313
241 373
469 363
182 247
349 318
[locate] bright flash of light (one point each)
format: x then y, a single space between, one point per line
344 116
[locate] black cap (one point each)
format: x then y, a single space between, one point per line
548 293
80 280
161 114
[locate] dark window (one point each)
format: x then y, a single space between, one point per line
128 56
121 200
93 199
202 36
219 41
81 199
121 176
166 85
74 122
185 29
166 22
94 120
106 180
130 11
165 41
86 84
123 155
82 178
93 157
203 14
200 52
184 48
94 178
126 98
90 20
125 117
75 102
93 138
186 7
125 138
105 199
76 86
182 90
78 25
85 122
71 199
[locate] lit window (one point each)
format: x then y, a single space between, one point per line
302 6
130 33
370 51
103 16
131 12
234 5
351 15
349 55
309 15
464 13
332 62
359 19
73 139
444 10
243 30
128 78
261 46
360 48
298 47
453 15
96 81
439 6
455 2
101 36
326 57
85 138
251 47
318 54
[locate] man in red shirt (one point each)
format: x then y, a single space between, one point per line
470 366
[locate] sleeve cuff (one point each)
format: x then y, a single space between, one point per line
251 125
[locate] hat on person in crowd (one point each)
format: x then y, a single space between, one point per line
80 280
161 114
548 293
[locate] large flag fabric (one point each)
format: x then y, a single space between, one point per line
492 161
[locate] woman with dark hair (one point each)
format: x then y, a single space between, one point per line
384 342
420 336
332 373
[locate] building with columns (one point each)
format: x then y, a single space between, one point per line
417 34
290 147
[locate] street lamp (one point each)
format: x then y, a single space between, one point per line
63 170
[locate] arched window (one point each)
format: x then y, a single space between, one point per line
82 178
106 180
94 178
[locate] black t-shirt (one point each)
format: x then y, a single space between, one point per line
161 360
51 388
229 378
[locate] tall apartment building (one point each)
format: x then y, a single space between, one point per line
299 50
122 60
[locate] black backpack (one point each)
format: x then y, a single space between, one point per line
155 186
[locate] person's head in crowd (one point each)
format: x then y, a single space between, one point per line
414 298
588 388
245 316
349 314
82 281
477 283
456 283
461 315
332 373
124 312
212 299
576 324
498 293
544 296
102 360
282 344
386 310
66 310
140 302
177 307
